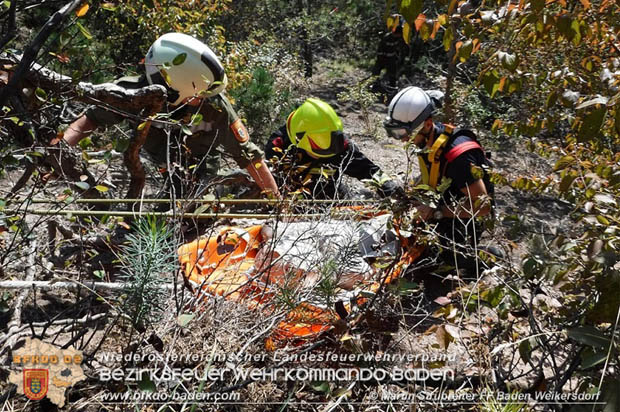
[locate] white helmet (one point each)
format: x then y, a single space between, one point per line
409 109
186 65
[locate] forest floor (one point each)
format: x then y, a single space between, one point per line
430 320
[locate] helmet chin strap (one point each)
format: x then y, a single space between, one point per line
427 137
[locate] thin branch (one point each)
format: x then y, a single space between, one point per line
31 52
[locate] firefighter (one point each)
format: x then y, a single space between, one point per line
195 81
310 153
391 53
445 152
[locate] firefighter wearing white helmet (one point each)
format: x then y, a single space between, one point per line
445 152
195 81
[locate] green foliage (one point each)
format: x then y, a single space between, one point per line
262 103
147 257
326 288
342 26
361 95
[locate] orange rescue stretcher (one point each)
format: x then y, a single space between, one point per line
236 264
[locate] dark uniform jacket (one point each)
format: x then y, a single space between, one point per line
466 168
294 168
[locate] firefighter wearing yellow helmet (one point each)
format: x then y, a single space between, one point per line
311 152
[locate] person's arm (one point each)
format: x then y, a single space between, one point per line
475 203
263 177
78 130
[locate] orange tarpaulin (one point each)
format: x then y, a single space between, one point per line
242 265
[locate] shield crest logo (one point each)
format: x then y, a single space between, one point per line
36 383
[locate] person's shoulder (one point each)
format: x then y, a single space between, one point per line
222 105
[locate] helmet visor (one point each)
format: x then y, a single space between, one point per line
399 130
336 145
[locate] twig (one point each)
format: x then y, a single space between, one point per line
15 325
93 213
52 285
61 322
30 54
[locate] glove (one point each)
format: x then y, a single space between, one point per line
392 189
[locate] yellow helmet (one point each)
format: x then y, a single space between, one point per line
316 128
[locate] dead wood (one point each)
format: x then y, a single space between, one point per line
134 104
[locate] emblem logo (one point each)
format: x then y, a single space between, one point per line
36 383
239 130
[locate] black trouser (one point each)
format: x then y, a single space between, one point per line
460 239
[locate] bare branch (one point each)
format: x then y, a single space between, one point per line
30 54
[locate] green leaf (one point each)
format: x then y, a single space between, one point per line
202 209
84 143
590 358
120 145
410 10
610 395
563 163
566 182
40 94
109 6
448 37
525 350
83 30
602 220
141 126
321 386
465 51
184 319
508 61
99 274
590 336
591 124
493 296
196 119
537 5
576 29
179 59
563 25
101 188
186 130
490 81
83 185
551 99
530 267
